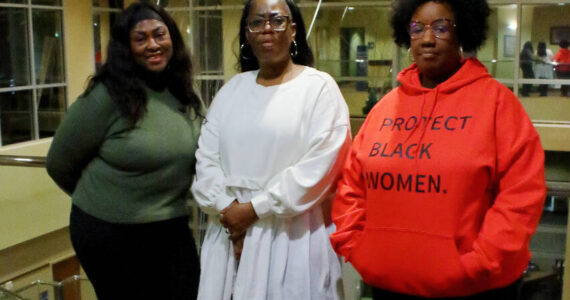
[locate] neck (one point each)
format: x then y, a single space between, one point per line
157 81
275 72
430 81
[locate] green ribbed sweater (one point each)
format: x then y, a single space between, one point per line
124 175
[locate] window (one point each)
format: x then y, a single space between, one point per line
32 71
105 13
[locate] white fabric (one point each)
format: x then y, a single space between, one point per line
544 67
280 147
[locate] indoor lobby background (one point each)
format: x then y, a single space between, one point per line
49 48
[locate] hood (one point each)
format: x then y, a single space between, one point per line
470 71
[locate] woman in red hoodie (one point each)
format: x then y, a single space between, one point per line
562 58
444 185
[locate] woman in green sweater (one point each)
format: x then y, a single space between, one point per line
125 154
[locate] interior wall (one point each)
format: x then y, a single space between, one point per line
31 204
546 17
230 27
79 46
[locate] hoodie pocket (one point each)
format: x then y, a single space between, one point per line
411 262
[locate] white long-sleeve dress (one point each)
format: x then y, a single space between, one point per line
281 148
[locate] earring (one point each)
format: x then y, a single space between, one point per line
461 54
410 56
294 52
241 50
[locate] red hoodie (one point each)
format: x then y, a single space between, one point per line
563 57
443 188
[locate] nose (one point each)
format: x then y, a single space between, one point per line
267 26
152 44
428 36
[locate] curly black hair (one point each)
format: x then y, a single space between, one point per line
470 18
122 76
248 62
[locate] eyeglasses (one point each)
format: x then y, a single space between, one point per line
277 23
440 28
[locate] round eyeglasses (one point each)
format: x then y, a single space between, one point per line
440 28
276 22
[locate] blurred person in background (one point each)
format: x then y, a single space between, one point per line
562 59
544 66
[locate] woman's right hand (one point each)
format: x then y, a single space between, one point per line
237 218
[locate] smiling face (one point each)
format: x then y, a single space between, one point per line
151 45
436 58
269 46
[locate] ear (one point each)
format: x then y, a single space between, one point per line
293 30
246 37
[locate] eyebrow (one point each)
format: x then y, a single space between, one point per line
270 14
159 27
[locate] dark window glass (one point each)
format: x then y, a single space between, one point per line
51 107
16 116
46 2
14 66
48 46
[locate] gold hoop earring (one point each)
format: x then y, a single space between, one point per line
241 50
410 56
294 46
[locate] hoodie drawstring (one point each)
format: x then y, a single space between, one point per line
425 125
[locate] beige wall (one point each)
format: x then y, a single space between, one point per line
546 17
230 26
79 58
30 203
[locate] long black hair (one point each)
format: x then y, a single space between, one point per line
470 19
541 49
122 76
527 51
248 61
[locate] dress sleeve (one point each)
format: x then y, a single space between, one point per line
520 193
305 184
79 137
349 206
209 187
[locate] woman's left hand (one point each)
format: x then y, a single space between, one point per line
237 217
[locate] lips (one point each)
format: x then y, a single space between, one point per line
154 59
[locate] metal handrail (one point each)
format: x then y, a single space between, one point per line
558 188
11 294
57 285
23 161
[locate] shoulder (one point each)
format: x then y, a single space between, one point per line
318 77
231 91
95 100
321 83
329 103
240 79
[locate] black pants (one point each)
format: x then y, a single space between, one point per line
564 88
510 292
136 261
543 88
527 73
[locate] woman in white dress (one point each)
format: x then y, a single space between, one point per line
268 161
544 66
